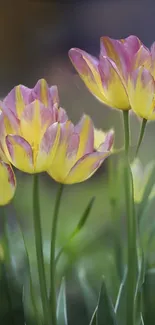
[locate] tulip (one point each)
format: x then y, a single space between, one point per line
76 157
141 88
107 77
30 119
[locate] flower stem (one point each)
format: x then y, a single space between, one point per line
52 298
126 132
131 229
39 248
6 263
143 125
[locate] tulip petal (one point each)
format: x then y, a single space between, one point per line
115 50
7 183
87 67
41 92
132 44
141 90
85 130
85 167
142 57
34 122
18 97
20 153
61 115
99 137
11 121
54 96
65 156
153 60
108 142
47 95
114 89
48 147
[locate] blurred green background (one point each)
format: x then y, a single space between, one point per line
35 39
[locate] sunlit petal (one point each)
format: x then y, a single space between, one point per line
141 90
20 153
85 167
87 67
85 130
113 84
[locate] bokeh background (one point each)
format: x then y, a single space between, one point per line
35 37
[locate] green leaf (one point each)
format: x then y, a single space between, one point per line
147 191
93 320
77 229
120 306
88 293
61 305
138 294
105 311
141 321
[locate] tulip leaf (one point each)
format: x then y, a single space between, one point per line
138 294
61 305
147 191
93 320
120 306
105 310
89 296
77 229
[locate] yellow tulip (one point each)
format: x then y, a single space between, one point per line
76 157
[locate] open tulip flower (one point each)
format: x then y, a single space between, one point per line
79 152
7 180
141 87
29 124
107 77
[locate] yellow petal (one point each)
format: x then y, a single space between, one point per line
65 156
34 122
87 67
20 153
19 101
85 167
7 183
99 137
141 89
114 88
85 130
48 147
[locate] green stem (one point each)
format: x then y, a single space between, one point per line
131 229
143 126
39 248
7 260
126 132
52 298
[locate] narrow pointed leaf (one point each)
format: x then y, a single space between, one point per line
105 311
138 295
77 229
93 320
147 191
120 306
88 294
61 305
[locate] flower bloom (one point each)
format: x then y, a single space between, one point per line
141 87
79 154
107 77
7 180
30 117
